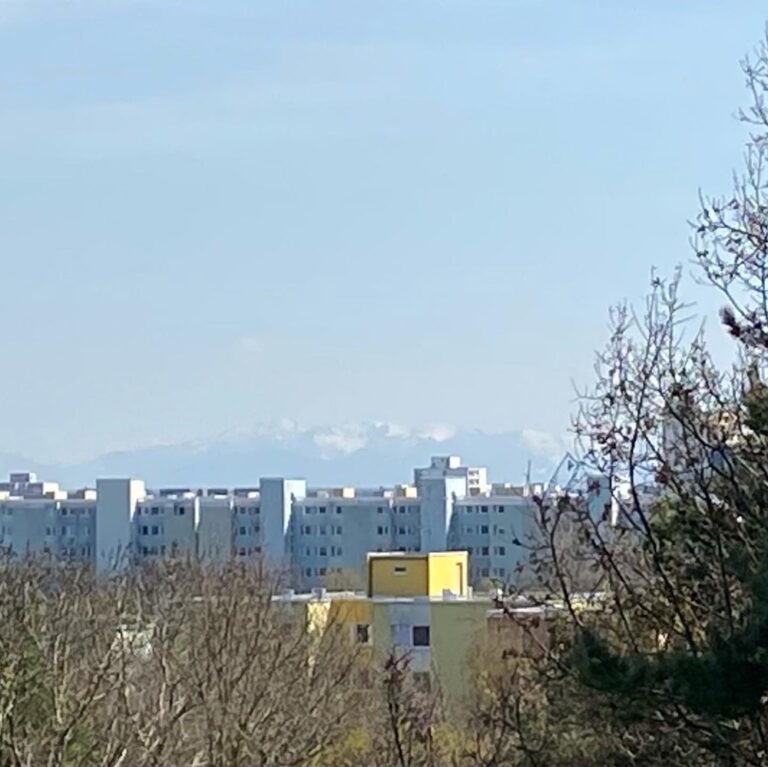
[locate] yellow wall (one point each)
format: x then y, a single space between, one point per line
448 571
398 576
455 633
414 575
351 611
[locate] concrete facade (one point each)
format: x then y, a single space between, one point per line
313 533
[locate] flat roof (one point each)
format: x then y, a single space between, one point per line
413 554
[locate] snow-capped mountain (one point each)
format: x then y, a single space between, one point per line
368 454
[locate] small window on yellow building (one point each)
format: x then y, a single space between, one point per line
400 570
363 633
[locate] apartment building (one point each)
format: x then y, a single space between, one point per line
39 517
496 528
312 532
420 606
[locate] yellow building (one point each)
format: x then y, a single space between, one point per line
399 574
417 605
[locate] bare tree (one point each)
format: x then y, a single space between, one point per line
675 660
178 664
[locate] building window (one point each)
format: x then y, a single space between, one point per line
500 509
401 634
484 529
469 509
256 510
63 511
484 572
323 551
181 511
322 509
322 529
502 572
308 572
469 550
144 530
421 636
484 551
400 570
241 531
363 633
321 571
162 549
339 509
155 529
380 510
307 552
484 509
307 530
402 509
381 530
338 529
401 530
500 550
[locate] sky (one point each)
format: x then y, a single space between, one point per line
218 213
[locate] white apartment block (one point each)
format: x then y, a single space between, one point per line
313 533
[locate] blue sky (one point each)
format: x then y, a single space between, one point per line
218 213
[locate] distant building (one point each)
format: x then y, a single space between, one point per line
314 533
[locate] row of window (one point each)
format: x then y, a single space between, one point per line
70 530
379 509
74 512
483 529
178 511
252 510
74 551
321 530
481 509
322 551
64 512
252 530
338 530
485 572
483 551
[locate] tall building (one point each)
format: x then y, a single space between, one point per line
313 533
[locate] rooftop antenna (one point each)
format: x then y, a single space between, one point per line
528 478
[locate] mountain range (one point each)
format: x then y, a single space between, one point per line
365 454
